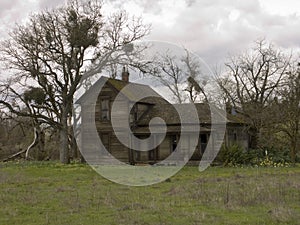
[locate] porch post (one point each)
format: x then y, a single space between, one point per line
155 150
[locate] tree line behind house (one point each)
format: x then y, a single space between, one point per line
50 55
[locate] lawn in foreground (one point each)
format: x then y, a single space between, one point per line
50 193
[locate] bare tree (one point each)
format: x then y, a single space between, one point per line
252 82
170 75
30 102
181 76
288 107
14 135
55 48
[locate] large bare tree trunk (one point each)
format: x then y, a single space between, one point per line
254 132
64 143
41 154
74 147
64 149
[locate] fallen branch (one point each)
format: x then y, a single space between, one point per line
14 155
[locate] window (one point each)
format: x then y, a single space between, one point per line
203 138
105 109
173 143
234 136
133 113
105 141
203 142
137 155
151 154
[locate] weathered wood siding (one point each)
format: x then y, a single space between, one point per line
116 148
165 148
235 134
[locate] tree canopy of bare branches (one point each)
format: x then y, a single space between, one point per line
253 80
181 75
54 50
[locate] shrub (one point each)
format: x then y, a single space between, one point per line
268 157
231 155
234 155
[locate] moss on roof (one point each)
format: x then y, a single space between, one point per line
137 89
169 114
118 84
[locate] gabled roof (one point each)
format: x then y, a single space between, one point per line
131 93
159 106
169 114
135 90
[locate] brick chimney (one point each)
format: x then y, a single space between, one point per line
125 74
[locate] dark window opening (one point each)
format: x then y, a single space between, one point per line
173 143
105 141
234 136
203 142
151 155
137 155
203 138
134 114
105 109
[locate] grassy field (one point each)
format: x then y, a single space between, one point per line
50 193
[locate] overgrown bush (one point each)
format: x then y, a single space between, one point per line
235 155
231 155
268 157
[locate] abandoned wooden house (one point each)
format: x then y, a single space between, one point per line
139 117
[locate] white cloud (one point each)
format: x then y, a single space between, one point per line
234 15
42 4
280 7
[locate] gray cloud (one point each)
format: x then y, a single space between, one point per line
43 4
7 6
12 11
211 28
215 29
152 6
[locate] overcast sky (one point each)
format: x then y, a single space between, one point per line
211 28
